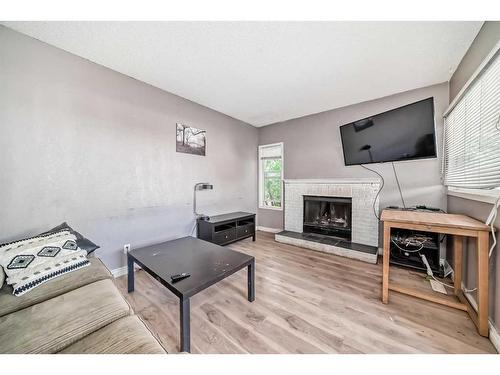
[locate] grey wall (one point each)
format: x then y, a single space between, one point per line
488 37
485 40
312 149
84 144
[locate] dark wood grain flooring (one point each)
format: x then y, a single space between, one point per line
306 302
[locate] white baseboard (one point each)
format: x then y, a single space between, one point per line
270 230
117 272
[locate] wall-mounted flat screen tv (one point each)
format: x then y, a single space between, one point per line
403 133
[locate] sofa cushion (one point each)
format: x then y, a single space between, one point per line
65 283
127 335
53 325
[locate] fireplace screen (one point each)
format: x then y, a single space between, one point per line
328 215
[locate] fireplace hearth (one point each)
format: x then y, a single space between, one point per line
330 216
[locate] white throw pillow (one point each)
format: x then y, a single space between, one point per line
31 262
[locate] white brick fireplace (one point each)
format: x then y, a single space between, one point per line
362 191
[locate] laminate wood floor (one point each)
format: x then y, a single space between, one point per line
306 302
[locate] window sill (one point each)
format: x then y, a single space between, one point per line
486 196
271 208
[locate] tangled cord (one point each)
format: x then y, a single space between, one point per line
420 242
407 250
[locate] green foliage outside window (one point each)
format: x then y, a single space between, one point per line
272 182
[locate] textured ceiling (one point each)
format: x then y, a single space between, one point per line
266 72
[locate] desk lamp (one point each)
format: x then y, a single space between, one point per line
197 187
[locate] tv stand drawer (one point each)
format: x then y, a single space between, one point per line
245 230
224 236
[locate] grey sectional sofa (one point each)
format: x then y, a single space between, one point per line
79 312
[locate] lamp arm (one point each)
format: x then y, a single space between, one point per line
194 200
194 197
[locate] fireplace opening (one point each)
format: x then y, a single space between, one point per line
328 215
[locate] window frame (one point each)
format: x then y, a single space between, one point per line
261 176
480 195
477 194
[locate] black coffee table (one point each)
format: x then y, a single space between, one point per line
206 262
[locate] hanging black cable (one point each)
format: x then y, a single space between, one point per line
399 186
379 190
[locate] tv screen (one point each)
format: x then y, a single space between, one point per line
400 134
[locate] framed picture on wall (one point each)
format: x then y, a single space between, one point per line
190 140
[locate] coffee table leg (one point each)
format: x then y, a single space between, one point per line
251 281
130 273
185 325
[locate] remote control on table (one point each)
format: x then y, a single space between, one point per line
180 276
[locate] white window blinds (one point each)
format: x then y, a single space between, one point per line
472 133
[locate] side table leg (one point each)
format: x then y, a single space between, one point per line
385 267
185 325
482 282
251 281
130 273
457 262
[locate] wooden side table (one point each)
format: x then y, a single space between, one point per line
459 226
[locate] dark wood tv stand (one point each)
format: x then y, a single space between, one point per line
227 228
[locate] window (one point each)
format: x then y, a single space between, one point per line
271 176
472 131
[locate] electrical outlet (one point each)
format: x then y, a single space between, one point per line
126 248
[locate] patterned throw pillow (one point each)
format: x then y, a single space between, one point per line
33 261
2 277
83 242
